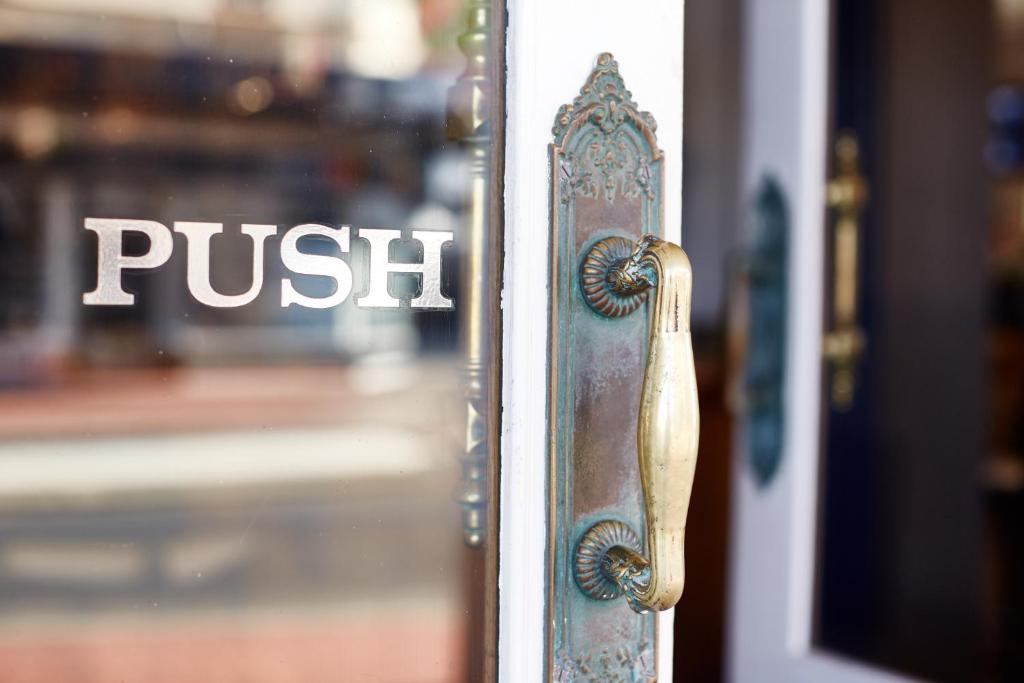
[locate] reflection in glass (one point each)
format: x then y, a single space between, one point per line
255 493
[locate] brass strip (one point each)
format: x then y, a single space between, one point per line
467 121
476 117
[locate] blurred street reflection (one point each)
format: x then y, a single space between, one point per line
258 494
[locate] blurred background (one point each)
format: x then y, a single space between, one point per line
920 528
249 494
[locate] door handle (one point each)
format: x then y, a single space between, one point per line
609 559
843 345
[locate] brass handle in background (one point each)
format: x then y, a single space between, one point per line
609 561
843 345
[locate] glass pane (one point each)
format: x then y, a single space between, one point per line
222 464
922 557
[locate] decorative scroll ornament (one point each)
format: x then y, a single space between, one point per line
609 160
623 665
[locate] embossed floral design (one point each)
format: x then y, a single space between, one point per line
645 669
609 155
566 671
571 182
624 665
612 158
642 177
604 100
614 162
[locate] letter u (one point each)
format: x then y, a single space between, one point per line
198 270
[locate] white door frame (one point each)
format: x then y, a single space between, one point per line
773 537
551 48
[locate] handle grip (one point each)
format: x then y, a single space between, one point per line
667 434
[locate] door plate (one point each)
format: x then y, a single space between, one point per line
606 191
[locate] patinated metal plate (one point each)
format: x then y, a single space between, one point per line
606 183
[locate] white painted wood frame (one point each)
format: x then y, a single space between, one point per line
551 48
786 55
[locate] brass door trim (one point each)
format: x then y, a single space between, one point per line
469 111
476 119
606 182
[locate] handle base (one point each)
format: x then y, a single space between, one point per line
597 281
592 552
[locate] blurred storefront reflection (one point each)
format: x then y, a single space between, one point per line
257 493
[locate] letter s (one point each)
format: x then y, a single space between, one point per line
315 264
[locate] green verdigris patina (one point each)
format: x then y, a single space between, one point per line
606 191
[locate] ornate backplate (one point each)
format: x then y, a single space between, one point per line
606 190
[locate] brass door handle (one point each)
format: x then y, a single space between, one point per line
843 345
609 561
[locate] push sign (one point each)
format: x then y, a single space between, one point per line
111 260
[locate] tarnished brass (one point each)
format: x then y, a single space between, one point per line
597 287
607 189
591 576
667 428
469 121
476 119
843 345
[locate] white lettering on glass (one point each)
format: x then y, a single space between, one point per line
381 266
198 270
315 264
112 259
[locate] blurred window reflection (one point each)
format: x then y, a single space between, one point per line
258 493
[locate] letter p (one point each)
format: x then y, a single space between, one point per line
112 260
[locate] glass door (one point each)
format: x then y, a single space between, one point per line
247 340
